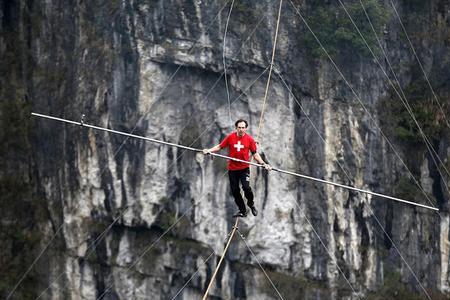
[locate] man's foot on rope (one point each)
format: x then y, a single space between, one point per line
240 214
254 211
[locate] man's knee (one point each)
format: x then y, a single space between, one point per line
248 192
235 191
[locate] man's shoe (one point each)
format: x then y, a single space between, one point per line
254 211
240 214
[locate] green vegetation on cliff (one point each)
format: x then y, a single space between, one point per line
336 32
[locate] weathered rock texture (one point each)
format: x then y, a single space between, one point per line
156 68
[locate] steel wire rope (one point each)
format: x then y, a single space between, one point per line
193 149
116 152
91 248
354 93
420 64
401 96
332 256
259 264
144 252
396 79
224 45
192 276
270 74
238 160
230 238
220 77
148 249
329 253
168 82
351 181
154 243
203 132
33 263
235 227
197 270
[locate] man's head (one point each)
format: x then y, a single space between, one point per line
241 127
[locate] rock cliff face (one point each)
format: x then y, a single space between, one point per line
156 68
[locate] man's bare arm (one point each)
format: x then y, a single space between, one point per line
211 150
258 158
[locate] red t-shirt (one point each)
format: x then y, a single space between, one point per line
238 147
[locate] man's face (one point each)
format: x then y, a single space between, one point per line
241 128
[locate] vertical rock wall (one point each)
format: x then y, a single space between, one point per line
156 68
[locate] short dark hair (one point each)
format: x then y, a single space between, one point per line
239 121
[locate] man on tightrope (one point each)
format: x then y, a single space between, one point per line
239 145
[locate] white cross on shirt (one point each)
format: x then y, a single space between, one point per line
238 146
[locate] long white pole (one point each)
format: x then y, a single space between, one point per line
235 159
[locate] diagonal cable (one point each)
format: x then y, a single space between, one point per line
230 238
91 248
154 243
270 73
401 96
115 154
398 83
332 256
259 264
351 181
181 154
148 249
192 276
420 64
354 93
224 47
120 147
34 262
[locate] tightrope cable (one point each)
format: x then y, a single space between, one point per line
235 159
204 131
270 74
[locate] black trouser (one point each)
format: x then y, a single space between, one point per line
244 177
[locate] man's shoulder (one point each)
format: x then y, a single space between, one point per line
232 134
249 137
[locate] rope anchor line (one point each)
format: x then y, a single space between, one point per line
235 227
85 125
